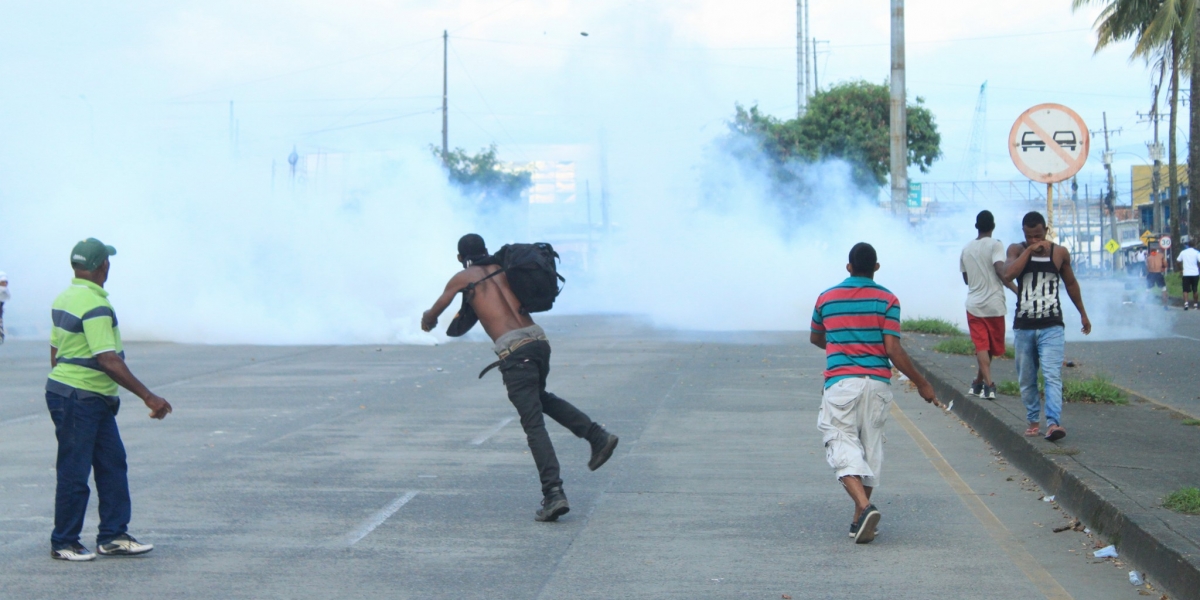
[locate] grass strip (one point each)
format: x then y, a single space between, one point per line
1095 390
1185 500
931 326
1008 388
963 346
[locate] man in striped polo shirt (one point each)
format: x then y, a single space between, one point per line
88 363
857 322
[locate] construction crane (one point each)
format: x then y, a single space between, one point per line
976 158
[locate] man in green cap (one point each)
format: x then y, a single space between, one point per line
88 363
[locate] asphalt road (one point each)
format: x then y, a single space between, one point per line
1138 344
355 472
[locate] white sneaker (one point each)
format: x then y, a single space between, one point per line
124 545
75 553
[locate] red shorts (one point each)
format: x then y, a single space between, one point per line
987 333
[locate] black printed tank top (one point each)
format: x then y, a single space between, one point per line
1038 304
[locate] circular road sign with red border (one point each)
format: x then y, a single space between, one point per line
1049 143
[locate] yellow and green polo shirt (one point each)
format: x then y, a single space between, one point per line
84 325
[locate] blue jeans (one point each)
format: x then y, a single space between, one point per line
87 439
1044 347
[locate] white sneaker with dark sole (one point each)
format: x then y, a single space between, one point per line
75 553
124 545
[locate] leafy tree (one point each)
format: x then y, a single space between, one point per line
850 122
484 176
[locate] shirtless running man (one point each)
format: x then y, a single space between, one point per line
524 364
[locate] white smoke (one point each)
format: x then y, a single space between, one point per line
131 142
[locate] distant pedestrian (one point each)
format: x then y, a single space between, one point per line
4 296
1190 260
88 363
982 264
1041 269
1156 268
857 323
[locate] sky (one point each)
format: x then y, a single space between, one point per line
522 75
164 128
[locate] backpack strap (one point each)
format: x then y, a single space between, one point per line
470 289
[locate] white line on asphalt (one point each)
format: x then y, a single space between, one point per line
478 441
24 419
378 518
1187 337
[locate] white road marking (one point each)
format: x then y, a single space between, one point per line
493 431
24 419
378 518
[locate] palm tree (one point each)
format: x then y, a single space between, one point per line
1170 31
1194 129
1162 30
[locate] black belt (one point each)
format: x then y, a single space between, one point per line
505 353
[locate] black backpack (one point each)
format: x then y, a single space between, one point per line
532 272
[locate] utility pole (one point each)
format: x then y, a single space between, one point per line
445 90
899 116
1112 215
816 85
808 59
1156 155
1087 215
801 57
1194 141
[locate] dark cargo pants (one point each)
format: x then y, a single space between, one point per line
525 372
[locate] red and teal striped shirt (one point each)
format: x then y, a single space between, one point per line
854 315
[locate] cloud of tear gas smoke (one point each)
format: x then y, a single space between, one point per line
225 260
126 132
723 254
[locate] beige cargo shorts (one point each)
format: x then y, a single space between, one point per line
853 414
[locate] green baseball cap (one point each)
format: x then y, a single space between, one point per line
89 254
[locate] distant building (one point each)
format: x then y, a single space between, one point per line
1142 182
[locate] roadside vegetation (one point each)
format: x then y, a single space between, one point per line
1097 389
963 346
957 341
1192 422
1185 500
931 326
1174 284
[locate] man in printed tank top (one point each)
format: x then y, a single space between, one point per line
1041 268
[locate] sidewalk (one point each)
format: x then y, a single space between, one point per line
1112 470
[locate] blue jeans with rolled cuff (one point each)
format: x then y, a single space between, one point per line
88 440
1040 348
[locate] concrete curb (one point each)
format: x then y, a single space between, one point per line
1142 541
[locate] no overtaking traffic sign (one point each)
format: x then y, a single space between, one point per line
1049 143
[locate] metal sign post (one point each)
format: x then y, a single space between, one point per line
1049 144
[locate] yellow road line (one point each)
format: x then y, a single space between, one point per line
1021 557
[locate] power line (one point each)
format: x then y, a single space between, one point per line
481 97
396 118
304 70
791 47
